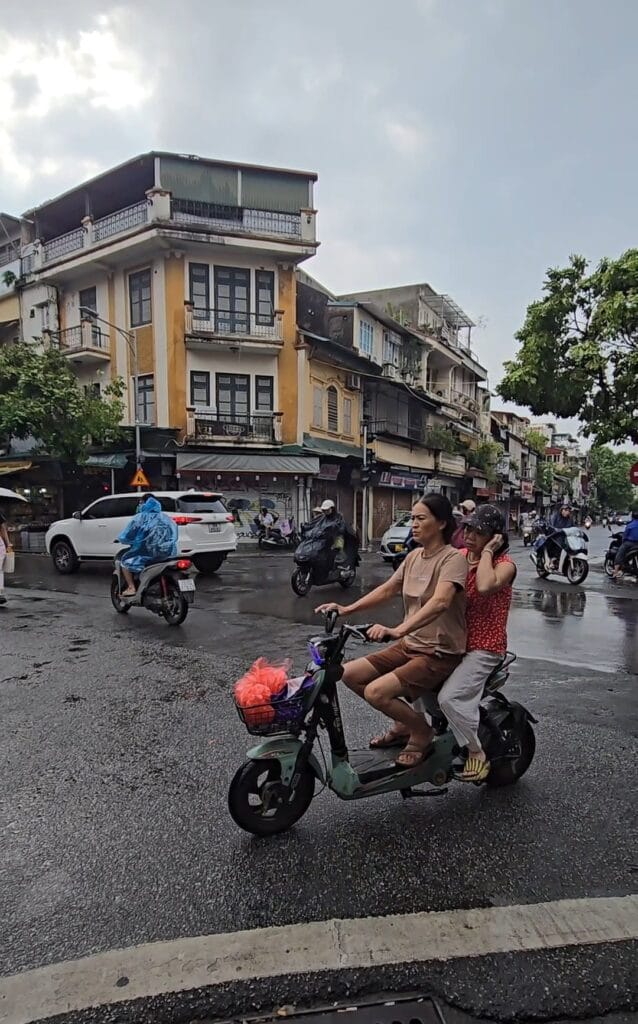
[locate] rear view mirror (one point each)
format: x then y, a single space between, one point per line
77 515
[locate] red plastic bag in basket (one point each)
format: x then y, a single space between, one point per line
255 689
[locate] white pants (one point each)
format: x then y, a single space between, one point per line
3 555
460 696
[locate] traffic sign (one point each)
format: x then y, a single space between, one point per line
633 474
140 479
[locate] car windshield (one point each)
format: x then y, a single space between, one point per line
200 503
403 520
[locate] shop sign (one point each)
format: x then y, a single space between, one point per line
527 489
503 466
409 481
329 471
479 483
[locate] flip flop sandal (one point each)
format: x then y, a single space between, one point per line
416 754
475 770
388 740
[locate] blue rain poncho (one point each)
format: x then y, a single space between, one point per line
151 536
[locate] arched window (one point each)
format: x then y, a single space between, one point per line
333 409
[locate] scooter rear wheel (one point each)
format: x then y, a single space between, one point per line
510 770
258 802
175 605
120 606
609 567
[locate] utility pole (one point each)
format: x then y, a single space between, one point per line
364 478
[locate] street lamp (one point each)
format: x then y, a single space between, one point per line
131 341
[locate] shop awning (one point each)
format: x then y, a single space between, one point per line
114 461
244 462
326 446
13 467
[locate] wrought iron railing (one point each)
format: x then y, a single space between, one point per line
63 244
236 218
411 431
234 323
264 427
120 220
84 337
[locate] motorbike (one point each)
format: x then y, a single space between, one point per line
275 785
316 560
630 568
526 532
571 560
165 587
282 535
588 523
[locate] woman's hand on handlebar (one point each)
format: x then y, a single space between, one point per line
378 633
331 606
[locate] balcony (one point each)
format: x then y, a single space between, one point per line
237 219
450 464
464 401
391 428
223 328
85 343
260 428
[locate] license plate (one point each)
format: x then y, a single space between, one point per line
214 527
186 585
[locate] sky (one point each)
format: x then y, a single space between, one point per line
471 144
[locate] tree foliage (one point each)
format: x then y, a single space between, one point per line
536 441
611 473
40 397
578 354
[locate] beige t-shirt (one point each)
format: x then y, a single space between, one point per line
419 576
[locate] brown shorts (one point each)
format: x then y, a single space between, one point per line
419 672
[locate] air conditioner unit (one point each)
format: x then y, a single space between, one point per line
353 381
390 370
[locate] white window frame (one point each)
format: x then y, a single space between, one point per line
391 348
317 406
366 338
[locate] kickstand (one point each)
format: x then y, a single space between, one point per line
408 793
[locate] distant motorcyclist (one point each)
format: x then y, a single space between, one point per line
151 536
629 544
337 529
563 518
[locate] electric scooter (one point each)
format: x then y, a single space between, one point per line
273 789
165 587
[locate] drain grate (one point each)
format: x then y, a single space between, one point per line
417 1011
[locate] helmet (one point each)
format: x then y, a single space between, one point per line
468 506
328 505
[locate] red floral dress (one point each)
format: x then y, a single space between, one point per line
486 614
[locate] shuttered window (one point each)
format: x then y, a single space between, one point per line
317 406
333 409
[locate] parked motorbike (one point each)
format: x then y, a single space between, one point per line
282 535
563 552
274 787
630 568
166 588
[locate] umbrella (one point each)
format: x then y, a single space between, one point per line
10 495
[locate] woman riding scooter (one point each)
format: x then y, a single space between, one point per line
431 640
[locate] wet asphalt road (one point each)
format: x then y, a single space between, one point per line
119 739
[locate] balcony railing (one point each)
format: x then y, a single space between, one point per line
264 428
63 244
121 220
86 337
464 400
232 323
391 428
236 219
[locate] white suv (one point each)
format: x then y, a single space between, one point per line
206 530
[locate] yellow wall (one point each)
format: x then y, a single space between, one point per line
288 355
9 308
323 374
404 455
174 289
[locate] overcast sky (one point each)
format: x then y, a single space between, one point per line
467 143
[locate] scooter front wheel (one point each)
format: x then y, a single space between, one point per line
120 606
300 582
261 805
577 570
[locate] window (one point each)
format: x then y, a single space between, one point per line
347 416
317 406
265 286
200 503
233 397
366 338
139 290
391 348
198 286
92 390
264 394
232 300
87 300
200 388
113 508
146 398
333 409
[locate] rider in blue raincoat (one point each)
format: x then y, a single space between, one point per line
151 536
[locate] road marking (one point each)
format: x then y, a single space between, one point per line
180 965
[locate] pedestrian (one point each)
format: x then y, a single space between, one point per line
466 509
5 549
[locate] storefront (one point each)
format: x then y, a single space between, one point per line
281 483
395 491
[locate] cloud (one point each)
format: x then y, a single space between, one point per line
408 139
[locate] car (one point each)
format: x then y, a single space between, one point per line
395 537
206 529
622 519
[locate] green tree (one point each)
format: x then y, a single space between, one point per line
611 474
40 397
536 441
578 354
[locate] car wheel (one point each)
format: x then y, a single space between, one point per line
208 564
64 558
